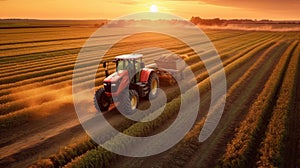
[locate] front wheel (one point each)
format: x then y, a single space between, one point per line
129 102
101 100
153 84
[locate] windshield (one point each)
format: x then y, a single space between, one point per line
125 65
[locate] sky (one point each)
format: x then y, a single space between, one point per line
110 9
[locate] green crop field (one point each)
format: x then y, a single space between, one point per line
260 126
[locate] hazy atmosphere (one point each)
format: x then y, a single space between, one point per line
143 84
108 9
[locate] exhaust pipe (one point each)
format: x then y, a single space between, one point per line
106 69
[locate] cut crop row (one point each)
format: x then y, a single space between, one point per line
54 34
27 70
38 49
52 76
42 44
49 71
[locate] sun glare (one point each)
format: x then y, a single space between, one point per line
153 8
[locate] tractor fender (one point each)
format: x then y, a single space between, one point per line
145 74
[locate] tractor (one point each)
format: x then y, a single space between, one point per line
130 82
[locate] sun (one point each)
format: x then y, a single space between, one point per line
153 8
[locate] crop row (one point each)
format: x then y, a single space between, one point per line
74 150
50 76
24 69
231 49
27 67
17 105
241 57
103 157
48 71
44 82
273 144
242 145
226 49
259 45
15 60
40 48
45 70
242 41
15 66
236 102
99 157
42 44
59 45
217 34
57 78
191 143
230 69
21 63
35 52
32 53
21 37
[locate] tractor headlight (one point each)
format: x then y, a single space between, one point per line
115 86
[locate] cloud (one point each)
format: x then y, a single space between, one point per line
257 4
129 2
253 4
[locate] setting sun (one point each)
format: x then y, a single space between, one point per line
153 8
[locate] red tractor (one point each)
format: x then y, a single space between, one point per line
127 85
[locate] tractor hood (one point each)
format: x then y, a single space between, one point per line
116 76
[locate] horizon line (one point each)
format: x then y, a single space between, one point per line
94 19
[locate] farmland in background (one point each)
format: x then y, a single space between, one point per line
259 126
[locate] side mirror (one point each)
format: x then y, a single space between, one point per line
142 65
104 64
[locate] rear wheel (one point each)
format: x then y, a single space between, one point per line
129 102
153 83
101 100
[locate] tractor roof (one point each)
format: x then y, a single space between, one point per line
129 56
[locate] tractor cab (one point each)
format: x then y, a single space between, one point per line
132 63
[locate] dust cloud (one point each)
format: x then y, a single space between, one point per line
45 100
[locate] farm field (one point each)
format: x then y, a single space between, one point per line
260 126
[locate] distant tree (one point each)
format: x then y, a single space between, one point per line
196 20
